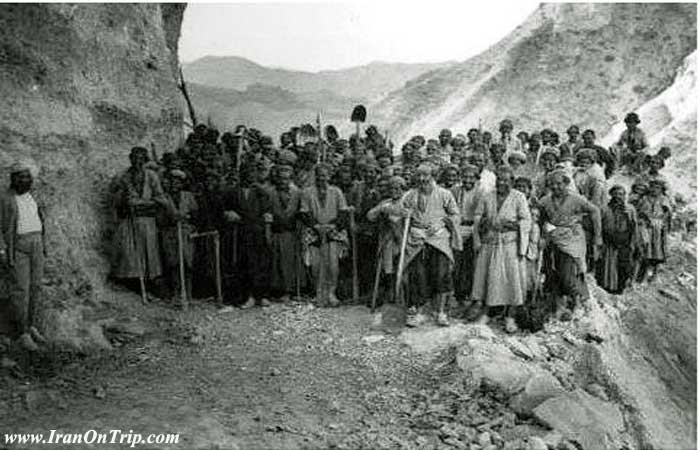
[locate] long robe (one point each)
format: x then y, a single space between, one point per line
324 212
136 238
499 276
363 198
566 241
254 249
619 234
286 255
467 202
655 215
432 209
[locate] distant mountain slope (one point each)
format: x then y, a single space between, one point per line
270 109
369 82
567 63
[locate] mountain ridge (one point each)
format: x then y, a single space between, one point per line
369 82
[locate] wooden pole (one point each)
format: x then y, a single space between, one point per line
217 263
141 269
181 261
402 257
322 260
377 275
353 236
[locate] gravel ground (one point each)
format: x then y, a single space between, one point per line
285 377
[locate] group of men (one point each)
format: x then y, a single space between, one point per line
489 224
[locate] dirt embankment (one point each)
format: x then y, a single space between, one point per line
81 85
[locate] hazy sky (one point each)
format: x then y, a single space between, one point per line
318 36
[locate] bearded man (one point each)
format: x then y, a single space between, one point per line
138 197
432 236
565 264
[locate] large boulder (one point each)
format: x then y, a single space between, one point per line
493 364
579 416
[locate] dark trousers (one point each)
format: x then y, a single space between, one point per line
255 263
25 280
431 271
464 270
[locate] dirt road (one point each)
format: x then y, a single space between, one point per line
284 377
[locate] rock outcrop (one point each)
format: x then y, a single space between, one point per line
81 85
567 63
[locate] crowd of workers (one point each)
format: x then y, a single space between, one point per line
505 226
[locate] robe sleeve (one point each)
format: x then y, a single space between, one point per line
451 208
342 204
305 202
478 215
373 214
524 224
158 196
592 210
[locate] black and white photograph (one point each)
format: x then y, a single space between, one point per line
350 225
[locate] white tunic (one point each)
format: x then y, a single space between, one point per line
28 220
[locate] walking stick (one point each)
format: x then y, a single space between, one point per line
181 261
217 263
297 260
402 257
139 258
321 282
353 236
377 275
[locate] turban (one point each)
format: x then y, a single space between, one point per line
470 168
617 187
559 173
25 164
632 118
286 158
426 168
504 170
151 165
177 173
524 180
587 153
517 155
397 181
658 181
550 151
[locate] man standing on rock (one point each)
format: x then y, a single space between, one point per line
565 261
22 250
138 197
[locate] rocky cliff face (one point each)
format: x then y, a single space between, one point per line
568 63
81 85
